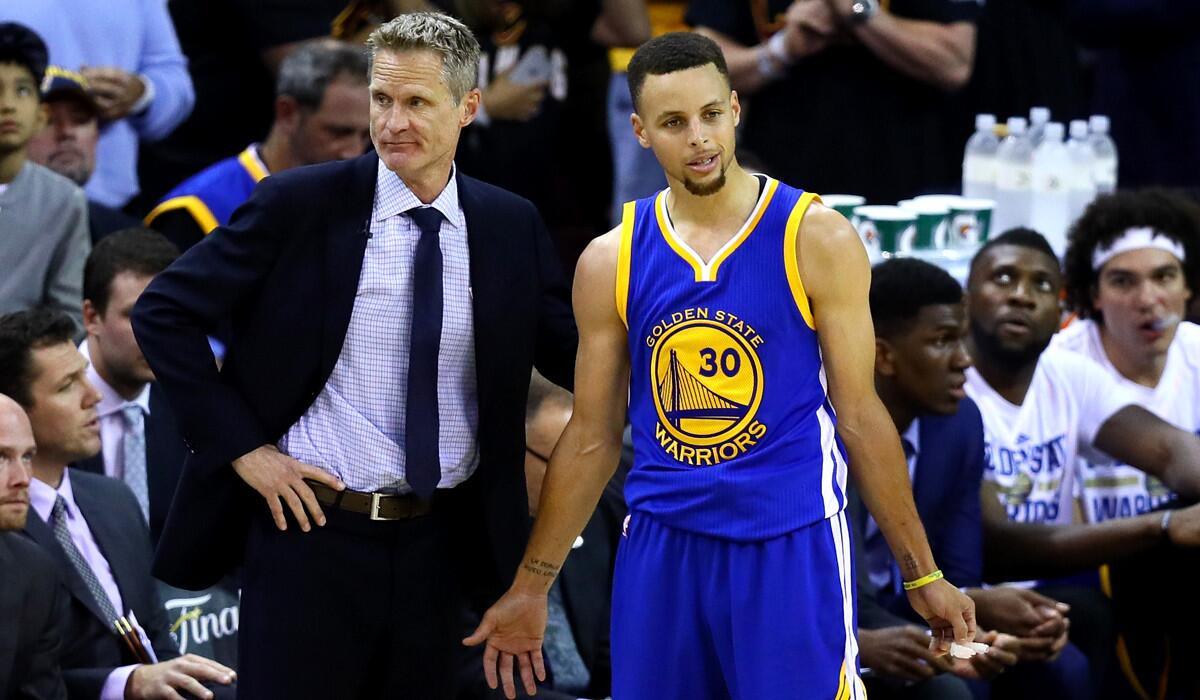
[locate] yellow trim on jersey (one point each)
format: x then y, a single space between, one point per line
250 162
790 262
194 206
707 272
843 686
623 253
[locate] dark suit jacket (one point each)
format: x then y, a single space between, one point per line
33 605
91 650
946 490
165 453
283 274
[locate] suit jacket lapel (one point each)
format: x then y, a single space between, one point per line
41 533
109 539
486 249
345 246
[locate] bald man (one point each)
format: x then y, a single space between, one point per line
30 591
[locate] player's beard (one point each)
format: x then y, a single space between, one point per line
1009 356
703 190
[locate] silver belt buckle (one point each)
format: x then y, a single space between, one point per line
374 514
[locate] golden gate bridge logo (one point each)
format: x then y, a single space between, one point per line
682 395
707 382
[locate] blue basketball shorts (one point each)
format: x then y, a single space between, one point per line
700 618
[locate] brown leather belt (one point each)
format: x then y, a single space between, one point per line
376 506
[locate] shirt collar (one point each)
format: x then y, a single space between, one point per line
110 401
42 497
392 197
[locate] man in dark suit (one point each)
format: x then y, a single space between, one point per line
919 368
141 444
90 525
385 312
33 603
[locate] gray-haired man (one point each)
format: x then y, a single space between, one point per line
360 451
321 114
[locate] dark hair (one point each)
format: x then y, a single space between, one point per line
137 250
1020 237
24 47
1173 214
307 72
901 287
22 332
669 53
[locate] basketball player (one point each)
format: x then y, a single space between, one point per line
731 312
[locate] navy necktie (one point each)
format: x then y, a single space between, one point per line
422 468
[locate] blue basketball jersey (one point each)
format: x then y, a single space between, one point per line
733 432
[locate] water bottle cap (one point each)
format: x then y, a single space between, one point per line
1054 132
985 122
1039 115
1099 123
1017 125
1079 129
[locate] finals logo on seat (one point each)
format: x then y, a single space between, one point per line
708 384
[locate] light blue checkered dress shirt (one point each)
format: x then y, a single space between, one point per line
355 427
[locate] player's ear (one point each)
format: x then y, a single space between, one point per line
735 107
639 129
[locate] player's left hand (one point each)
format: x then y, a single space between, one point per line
513 629
115 91
949 612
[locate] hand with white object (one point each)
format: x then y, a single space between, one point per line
966 651
993 653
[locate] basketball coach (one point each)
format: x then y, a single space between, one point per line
359 453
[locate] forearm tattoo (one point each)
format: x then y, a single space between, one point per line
538 567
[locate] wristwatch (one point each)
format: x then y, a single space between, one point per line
863 10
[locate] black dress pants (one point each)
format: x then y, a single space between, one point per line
354 609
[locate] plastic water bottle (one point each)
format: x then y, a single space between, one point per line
1014 178
1050 212
1082 189
1105 151
979 159
1038 118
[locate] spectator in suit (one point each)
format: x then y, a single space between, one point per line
90 525
33 603
577 639
386 313
131 59
42 214
67 143
140 442
321 114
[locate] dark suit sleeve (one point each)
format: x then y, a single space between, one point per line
190 300
47 612
557 337
960 529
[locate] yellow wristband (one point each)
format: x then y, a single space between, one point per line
924 580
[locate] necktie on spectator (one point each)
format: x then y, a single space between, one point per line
570 673
422 467
133 450
58 523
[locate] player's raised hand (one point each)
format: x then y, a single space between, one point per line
513 628
949 612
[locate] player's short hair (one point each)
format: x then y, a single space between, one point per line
137 250
440 33
901 287
1020 237
21 333
307 72
670 53
1172 214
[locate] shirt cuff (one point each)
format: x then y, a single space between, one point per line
114 686
147 97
